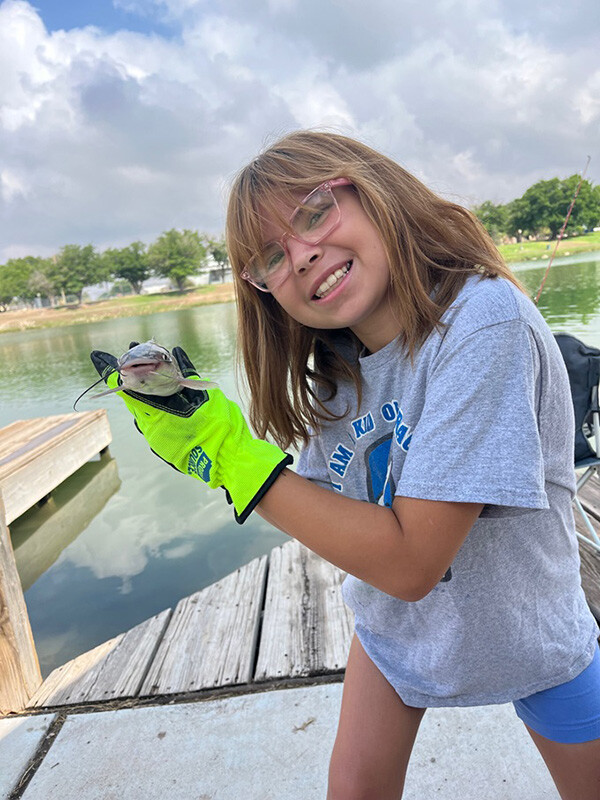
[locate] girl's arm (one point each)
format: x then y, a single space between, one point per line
403 551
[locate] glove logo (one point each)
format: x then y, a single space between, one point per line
199 464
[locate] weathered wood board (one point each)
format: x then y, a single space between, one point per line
38 454
19 669
590 557
307 629
115 669
590 497
211 639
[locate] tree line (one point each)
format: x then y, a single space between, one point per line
179 254
541 211
176 255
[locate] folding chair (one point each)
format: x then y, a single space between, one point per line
583 366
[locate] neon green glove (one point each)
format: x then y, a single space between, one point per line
203 434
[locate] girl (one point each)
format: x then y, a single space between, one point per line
424 385
380 328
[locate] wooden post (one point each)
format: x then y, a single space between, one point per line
19 667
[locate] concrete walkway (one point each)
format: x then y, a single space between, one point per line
269 746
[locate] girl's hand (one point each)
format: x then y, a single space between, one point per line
203 434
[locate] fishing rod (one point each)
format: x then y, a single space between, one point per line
562 230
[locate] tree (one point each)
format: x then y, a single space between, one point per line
75 268
493 217
120 287
129 263
586 211
6 288
177 255
217 249
40 282
515 217
544 206
15 277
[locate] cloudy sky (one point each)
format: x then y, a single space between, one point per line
120 119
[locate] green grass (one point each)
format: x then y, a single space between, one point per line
158 297
130 306
530 251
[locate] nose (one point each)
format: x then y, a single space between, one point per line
302 254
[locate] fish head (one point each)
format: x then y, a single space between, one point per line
144 358
148 368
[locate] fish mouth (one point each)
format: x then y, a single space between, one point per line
138 364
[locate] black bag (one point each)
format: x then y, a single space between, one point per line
583 366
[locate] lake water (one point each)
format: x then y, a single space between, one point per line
127 536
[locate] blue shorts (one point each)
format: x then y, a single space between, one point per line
569 713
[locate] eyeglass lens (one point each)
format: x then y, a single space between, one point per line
310 223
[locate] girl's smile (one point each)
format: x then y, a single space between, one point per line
344 280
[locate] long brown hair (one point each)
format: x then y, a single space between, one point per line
429 242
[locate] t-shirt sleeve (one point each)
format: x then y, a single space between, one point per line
477 439
311 464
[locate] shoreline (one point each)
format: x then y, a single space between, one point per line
140 305
129 306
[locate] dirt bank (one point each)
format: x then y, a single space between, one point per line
28 319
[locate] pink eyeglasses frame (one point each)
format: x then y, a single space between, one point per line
326 186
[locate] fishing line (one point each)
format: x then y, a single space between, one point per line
562 230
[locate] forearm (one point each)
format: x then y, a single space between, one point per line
404 551
361 538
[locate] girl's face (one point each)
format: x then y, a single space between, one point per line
342 282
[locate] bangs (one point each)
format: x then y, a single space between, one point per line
260 196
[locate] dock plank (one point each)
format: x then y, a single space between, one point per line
590 497
307 629
211 639
590 576
114 669
37 455
20 673
16 435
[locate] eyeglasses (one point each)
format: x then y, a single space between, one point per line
316 217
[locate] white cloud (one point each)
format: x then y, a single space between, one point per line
11 185
115 137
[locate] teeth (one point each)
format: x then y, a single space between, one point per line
332 280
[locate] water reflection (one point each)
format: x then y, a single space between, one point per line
40 535
570 300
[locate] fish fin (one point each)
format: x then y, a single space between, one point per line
108 391
200 385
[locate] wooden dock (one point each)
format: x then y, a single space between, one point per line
590 557
36 455
279 618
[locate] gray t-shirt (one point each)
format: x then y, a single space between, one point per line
483 415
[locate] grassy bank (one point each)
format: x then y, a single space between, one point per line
28 319
532 251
